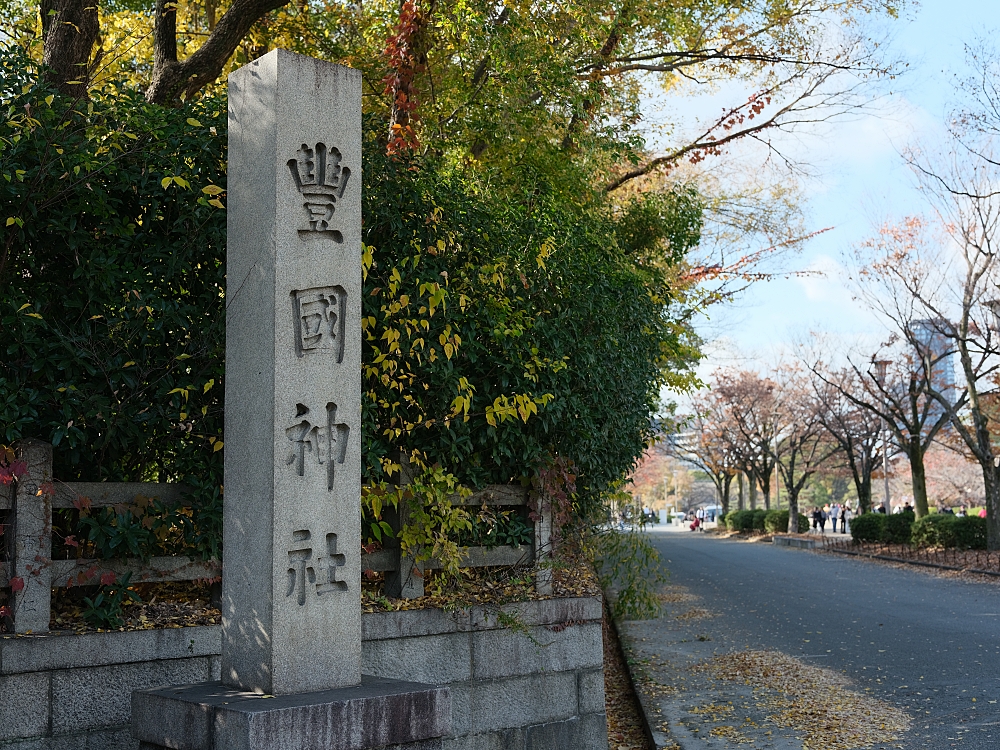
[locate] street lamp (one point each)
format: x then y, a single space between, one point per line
881 369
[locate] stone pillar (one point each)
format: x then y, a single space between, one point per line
32 539
292 519
291 570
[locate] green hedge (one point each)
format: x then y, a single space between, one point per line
868 527
898 527
776 522
746 520
946 530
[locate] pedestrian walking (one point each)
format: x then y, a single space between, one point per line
834 515
845 515
822 521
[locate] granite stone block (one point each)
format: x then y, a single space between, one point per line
506 653
24 703
590 692
435 659
521 701
211 716
101 696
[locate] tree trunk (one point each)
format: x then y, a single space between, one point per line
742 504
727 484
753 492
991 480
70 30
172 79
793 512
918 481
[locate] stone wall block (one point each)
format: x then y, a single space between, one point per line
520 701
436 660
590 689
506 653
24 705
101 697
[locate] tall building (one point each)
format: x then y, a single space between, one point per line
938 350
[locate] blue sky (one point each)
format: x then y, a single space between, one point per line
859 180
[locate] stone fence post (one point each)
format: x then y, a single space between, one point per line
30 545
407 580
543 547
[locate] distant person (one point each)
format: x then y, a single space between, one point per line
982 512
962 512
834 515
845 515
907 508
881 509
948 510
897 510
815 518
822 521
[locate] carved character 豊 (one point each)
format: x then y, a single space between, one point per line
321 179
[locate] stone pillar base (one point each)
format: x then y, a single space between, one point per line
378 713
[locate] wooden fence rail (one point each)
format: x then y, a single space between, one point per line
29 547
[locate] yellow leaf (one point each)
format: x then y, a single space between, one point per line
128 364
208 385
48 99
10 220
182 182
34 315
193 122
183 356
217 446
25 305
165 182
212 190
216 202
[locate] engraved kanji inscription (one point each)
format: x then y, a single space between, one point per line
321 179
308 574
319 440
319 319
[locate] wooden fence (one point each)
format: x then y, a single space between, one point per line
28 512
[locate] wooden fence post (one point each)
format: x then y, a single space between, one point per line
31 561
407 580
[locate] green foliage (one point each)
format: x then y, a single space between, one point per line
629 567
105 609
504 332
111 289
746 520
496 528
868 527
898 527
946 530
970 532
776 522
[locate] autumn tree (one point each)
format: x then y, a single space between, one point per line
704 443
802 444
855 429
750 408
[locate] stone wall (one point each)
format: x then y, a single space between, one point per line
522 677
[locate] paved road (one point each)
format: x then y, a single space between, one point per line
928 644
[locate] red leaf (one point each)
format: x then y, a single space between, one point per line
107 578
19 469
47 488
82 503
16 584
70 541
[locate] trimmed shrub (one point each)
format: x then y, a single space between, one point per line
758 519
868 527
935 530
740 520
898 527
776 522
970 532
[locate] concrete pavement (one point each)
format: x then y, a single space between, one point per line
922 643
